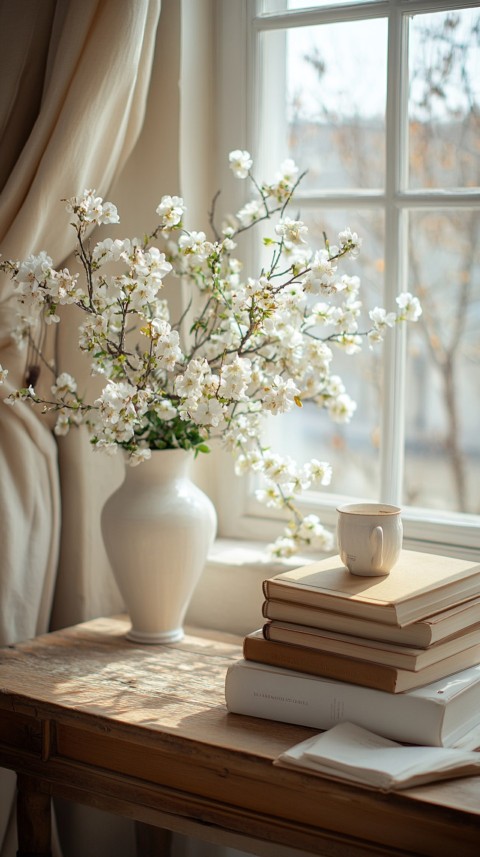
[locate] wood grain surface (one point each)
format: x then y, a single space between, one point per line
143 730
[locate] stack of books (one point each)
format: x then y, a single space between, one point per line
399 654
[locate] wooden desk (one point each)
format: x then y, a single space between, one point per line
143 731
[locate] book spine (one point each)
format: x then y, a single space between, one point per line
321 703
416 635
274 590
408 659
319 663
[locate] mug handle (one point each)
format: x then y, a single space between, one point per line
376 538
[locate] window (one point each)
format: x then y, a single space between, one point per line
380 101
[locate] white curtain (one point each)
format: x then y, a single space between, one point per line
75 78
90 73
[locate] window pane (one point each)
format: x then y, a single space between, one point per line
444 99
443 401
352 448
336 115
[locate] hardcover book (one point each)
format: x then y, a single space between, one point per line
345 668
419 585
438 714
376 651
421 634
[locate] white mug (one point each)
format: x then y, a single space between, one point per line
369 537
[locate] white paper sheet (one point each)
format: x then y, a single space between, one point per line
354 754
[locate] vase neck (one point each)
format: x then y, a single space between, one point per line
164 465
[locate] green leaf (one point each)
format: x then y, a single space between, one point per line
202 447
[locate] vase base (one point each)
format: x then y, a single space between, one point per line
153 637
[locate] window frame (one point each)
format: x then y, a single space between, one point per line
239 97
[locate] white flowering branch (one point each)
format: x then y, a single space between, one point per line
256 345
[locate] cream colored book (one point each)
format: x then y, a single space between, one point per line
426 632
419 585
377 652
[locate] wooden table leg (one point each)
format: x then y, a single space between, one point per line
34 820
152 841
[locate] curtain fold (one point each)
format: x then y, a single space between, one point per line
91 113
22 75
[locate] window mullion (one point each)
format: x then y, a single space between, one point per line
394 369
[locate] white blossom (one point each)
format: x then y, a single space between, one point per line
240 163
166 344
209 412
382 320
321 276
62 424
349 342
250 212
189 385
292 231
90 208
288 172
165 410
118 410
64 384
350 284
33 271
149 265
279 469
312 531
109 213
279 396
350 241
234 379
410 309
171 211
285 547
344 318
341 408
110 250
271 496
195 246
319 471
140 454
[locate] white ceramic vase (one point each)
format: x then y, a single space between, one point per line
158 528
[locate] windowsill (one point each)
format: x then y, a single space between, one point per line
229 594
